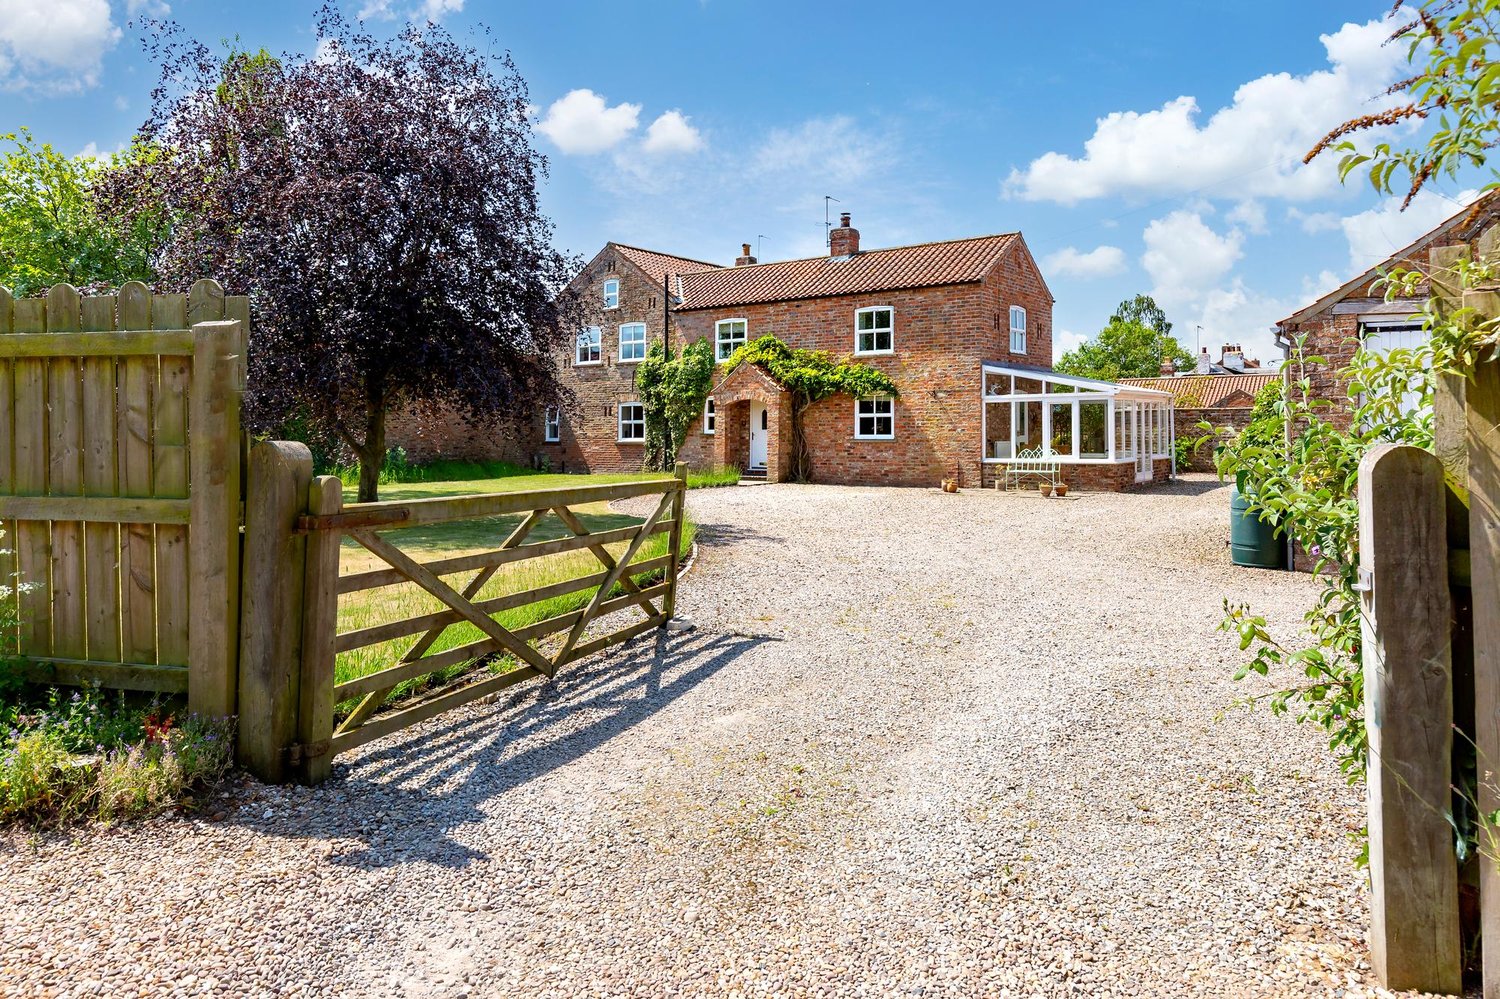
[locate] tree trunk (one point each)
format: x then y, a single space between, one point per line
801 470
372 453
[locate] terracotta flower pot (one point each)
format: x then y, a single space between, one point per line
1045 488
950 485
1061 489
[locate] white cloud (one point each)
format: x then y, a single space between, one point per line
1101 261
54 46
153 8
581 122
1313 222
1257 141
427 10
1185 258
1378 232
1251 215
435 10
1064 341
671 133
835 149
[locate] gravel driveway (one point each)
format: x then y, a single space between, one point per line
918 744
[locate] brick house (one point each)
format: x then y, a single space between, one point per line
939 318
1357 313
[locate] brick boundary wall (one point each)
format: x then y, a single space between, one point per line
1202 459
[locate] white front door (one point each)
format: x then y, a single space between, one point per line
760 430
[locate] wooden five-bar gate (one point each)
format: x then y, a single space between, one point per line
155 551
295 528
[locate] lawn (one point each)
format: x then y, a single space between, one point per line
434 541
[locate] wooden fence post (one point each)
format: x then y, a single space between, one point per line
1414 928
214 442
674 541
320 618
1483 399
280 473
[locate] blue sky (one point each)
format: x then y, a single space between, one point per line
1139 147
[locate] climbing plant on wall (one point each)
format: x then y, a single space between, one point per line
672 391
809 376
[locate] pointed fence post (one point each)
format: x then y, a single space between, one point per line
1414 928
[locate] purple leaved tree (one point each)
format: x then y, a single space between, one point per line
378 201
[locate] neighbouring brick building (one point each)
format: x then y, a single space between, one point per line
933 316
1221 400
1357 312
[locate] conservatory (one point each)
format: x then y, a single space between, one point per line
1094 433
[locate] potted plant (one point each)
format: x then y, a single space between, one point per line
1045 488
1061 489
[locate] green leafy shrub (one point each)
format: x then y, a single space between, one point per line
672 391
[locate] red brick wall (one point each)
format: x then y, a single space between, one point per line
1202 459
590 427
941 337
427 438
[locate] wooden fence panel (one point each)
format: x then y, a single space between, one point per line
101 412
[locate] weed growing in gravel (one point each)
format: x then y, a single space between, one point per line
69 755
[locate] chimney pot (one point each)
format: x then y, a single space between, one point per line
1168 368
843 241
744 259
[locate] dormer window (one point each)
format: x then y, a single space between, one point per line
1017 330
874 330
612 293
589 350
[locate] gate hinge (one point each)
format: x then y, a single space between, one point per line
297 752
1366 583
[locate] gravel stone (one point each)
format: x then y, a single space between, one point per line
916 745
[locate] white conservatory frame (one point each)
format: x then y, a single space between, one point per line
1141 421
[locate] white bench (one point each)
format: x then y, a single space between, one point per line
1030 463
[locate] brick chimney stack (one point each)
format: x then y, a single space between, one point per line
843 241
744 259
1204 365
1168 368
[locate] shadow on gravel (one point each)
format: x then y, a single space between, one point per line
1196 486
404 800
717 534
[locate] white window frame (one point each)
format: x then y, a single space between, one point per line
889 330
620 422
720 354
611 294
874 402
1017 332
596 347
641 341
552 425
710 417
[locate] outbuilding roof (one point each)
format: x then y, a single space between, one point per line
923 265
1205 391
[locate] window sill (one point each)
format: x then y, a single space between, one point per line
588 364
552 440
881 437
874 353
631 440
630 360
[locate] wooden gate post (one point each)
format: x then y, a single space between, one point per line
280 473
1414 928
674 541
1483 399
214 442
320 619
